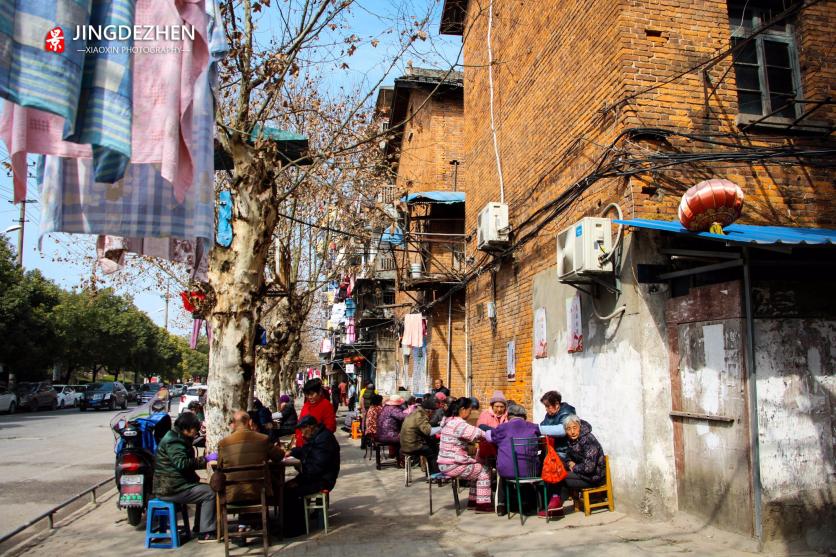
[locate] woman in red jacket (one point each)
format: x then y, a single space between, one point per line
318 406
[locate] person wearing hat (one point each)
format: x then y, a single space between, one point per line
318 406
492 417
320 466
390 420
416 434
441 408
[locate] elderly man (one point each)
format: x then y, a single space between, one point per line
320 466
416 434
175 473
438 387
245 446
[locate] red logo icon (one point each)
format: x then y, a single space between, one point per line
54 41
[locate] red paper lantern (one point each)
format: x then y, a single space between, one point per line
708 202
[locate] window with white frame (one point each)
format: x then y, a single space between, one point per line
766 66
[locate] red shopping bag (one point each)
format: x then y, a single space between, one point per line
553 469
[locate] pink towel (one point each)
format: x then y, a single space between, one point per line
413 330
164 90
28 130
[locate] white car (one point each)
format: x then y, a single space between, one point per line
190 395
78 393
8 401
66 396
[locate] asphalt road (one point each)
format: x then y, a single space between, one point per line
47 457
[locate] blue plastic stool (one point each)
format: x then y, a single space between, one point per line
164 514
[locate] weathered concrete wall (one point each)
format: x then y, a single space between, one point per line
715 478
619 383
386 363
795 362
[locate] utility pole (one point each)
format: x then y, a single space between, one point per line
21 224
165 319
20 234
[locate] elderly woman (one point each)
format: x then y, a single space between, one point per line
390 420
584 456
453 460
491 418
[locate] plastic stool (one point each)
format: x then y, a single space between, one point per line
313 502
164 514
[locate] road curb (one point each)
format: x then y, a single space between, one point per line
73 512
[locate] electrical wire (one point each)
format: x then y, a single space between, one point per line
490 89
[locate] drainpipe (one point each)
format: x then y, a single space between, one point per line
449 340
468 380
752 396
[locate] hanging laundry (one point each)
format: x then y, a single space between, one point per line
196 325
338 313
224 236
192 300
350 331
41 67
413 331
350 307
110 253
392 235
325 346
141 205
164 139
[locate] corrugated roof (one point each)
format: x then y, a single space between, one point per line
745 233
434 197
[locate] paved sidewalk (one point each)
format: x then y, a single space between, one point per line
372 513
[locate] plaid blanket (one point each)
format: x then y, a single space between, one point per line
87 86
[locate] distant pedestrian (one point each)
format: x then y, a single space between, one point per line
343 387
438 387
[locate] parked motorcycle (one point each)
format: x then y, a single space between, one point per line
138 434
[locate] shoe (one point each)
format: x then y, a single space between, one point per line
555 503
206 537
483 508
471 504
500 510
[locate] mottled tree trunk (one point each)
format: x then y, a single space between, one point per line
267 362
236 275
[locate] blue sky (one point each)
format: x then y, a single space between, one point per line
63 255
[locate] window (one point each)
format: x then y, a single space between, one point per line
768 78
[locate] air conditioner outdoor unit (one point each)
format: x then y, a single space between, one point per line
492 227
580 247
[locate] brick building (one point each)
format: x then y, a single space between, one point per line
584 104
426 119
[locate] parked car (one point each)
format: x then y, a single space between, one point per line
34 396
79 393
66 395
133 392
191 394
105 394
178 390
8 401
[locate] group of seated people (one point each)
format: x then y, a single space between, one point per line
445 431
176 465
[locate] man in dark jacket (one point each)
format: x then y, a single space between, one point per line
556 413
175 473
320 458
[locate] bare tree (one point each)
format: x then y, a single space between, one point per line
271 85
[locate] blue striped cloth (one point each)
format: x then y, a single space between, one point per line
105 105
92 91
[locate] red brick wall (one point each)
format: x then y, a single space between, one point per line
431 139
561 70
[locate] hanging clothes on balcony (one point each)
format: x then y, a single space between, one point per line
350 307
413 331
350 331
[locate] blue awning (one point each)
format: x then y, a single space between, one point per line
744 233
446 197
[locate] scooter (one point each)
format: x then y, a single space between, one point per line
137 441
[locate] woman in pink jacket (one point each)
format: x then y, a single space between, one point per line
453 460
492 417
